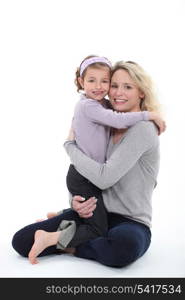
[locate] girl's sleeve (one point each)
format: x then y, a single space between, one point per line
140 138
99 114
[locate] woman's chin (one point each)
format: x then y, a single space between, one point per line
120 108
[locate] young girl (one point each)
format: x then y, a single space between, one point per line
92 121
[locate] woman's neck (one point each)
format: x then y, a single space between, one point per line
117 134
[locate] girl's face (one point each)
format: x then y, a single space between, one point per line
96 82
124 94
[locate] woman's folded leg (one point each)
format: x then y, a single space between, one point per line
24 238
124 244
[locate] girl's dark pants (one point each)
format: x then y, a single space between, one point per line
96 225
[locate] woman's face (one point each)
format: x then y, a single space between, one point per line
124 94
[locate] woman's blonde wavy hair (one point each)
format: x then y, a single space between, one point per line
143 82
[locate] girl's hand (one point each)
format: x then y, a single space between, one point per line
84 208
71 135
155 117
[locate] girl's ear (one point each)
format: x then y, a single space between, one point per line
81 81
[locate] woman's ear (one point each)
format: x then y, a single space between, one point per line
141 95
81 81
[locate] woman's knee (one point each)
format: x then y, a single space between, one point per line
125 249
122 255
20 244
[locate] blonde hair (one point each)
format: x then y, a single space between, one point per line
143 81
97 65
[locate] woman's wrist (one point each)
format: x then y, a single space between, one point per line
153 115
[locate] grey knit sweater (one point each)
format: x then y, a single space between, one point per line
129 175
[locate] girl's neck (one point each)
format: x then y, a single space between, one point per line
100 101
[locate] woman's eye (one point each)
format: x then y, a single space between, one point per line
128 87
113 86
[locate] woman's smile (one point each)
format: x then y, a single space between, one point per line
120 101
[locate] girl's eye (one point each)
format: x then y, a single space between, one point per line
105 81
113 86
90 80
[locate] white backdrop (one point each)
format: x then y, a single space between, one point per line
42 43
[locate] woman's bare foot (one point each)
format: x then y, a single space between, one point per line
51 215
39 220
43 240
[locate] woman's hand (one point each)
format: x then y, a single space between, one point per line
84 208
71 135
155 117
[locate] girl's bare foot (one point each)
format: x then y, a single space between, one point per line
43 240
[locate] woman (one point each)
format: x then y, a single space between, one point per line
127 180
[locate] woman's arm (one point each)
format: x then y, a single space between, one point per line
138 139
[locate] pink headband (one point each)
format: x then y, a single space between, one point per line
93 60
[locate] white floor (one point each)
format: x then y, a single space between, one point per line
165 258
157 262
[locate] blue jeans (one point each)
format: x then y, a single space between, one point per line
125 241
